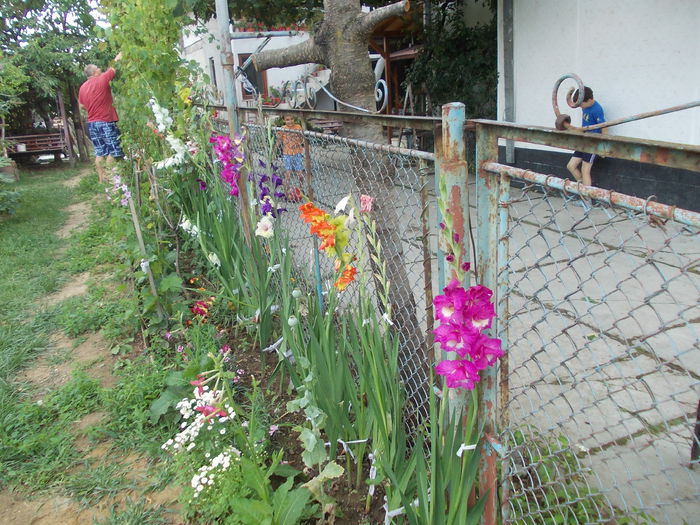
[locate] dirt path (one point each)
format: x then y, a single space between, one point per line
52 370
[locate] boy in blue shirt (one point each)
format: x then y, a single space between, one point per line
581 163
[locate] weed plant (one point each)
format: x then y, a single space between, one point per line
38 443
137 512
141 381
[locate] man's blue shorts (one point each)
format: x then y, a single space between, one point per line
293 162
105 139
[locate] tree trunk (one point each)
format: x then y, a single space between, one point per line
78 125
341 43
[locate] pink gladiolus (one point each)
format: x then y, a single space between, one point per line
479 310
459 373
209 410
452 337
448 307
463 315
366 203
484 351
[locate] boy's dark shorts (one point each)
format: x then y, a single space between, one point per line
586 157
105 139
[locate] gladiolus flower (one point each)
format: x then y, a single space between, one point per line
342 203
264 228
345 278
463 315
459 373
366 203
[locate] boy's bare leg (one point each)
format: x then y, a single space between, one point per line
586 172
574 167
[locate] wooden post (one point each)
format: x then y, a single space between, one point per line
64 131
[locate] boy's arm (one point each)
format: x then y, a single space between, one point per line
570 127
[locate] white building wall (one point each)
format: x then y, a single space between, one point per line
203 47
636 55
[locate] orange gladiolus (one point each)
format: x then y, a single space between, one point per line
311 213
345 278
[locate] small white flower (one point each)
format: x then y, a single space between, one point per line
296 293
214 259
341 204
388 320
365 322
292 321
144 265
274 268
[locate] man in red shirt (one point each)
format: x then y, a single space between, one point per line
95 96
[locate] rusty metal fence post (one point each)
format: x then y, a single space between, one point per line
451 180
488 193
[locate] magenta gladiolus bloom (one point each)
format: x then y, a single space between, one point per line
484 351
479 310
463 315
459 373
448 307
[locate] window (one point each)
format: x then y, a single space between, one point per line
212 72
256 80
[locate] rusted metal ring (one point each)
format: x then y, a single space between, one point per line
646 203
564 187
572 103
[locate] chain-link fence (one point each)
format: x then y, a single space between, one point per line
601 321
597 305
398 179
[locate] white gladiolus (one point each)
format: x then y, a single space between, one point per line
341 204
264 228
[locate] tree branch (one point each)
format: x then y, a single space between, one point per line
306 52
368 21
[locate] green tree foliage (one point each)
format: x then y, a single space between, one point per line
147 35
266 12
50 41
13 83
458 63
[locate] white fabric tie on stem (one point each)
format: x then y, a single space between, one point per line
464 447
388 514
273 346
345 444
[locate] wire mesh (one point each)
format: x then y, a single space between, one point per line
602 331
398 179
